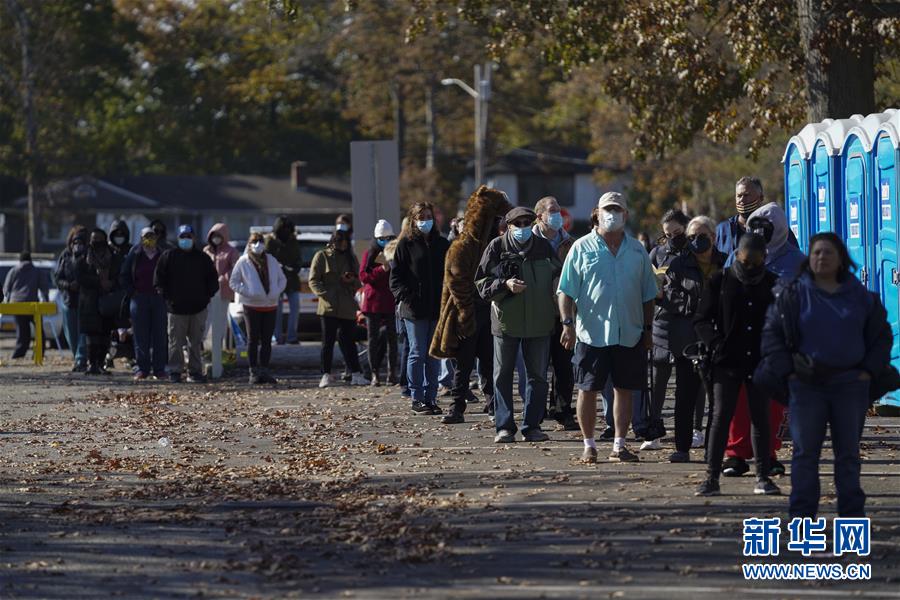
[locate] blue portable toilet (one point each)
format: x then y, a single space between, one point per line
826 181
797 177
887 196
857 210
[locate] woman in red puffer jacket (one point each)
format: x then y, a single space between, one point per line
378 304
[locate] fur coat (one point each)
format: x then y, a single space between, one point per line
459 296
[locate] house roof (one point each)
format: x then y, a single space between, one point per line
221 193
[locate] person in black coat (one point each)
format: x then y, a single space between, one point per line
66 282
730 321
826 345
186 277
97 274
417 283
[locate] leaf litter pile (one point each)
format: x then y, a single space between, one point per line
283 483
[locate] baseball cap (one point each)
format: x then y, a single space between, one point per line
612 199
185 230
147 231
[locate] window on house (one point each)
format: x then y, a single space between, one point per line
534 187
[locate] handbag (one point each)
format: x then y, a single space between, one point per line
114 305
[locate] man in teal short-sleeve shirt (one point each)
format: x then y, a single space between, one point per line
608 278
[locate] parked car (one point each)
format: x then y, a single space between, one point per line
53 324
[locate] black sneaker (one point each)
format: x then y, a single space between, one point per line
569 423
680 457
79 368
174 377
767 486
710 487
453 417
420 408
266 378
535 435
505 436
196 378
255 379
734 467
435 409
94 370
608 434
776 467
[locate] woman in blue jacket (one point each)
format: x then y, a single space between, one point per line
825 339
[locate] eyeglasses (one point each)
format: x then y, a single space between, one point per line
521 223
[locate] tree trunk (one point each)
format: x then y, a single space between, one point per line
399 119
431 128
839 81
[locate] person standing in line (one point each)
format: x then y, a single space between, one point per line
147 307
402 341
97 273
258 280
417 282
187 279
224 257
516 275
730 323
24 283
463 331
607 276
162 232
549 226
825 346
283 245
66 282
378 304
334 278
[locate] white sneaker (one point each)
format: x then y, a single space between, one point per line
699 439
651 445
358 379
325 381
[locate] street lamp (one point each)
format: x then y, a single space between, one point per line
481 94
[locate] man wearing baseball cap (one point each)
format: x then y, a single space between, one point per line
607 276
187 279
516 276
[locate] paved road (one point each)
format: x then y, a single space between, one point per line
108 488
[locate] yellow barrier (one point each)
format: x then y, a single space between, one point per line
37 310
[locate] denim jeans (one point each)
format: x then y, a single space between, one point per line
403 356
448 368
150 322
536 354
293 317
77 342
637 407
422 370
842 406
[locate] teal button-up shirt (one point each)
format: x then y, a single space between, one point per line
609 290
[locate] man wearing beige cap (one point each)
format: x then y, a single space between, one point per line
608 278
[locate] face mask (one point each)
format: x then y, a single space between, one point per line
185 243
555 222
97 244
216 240
118 240
78 249
521 234
257 247
678 242
700 244
382 243
425 226
159 233
148 243
612 221
342 227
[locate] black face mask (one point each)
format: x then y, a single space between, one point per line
700 244
160 233
98 245
78 248
678 242
762 227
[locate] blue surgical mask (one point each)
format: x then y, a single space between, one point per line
382 243
185 243
555 222
612 220
521 234
425 226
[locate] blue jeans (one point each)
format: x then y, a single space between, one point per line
448 368
151 342
637 404
293 317
536 352
403 356
77 342
843 406
421 369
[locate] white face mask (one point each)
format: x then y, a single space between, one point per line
257 247
612 221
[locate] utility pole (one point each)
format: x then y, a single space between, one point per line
481 94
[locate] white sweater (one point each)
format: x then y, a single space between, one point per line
248 286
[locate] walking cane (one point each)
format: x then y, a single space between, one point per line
700 359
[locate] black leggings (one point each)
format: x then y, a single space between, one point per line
725 391
687 382
382 330
344 330
260 327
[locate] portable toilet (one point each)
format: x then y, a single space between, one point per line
826 182
887 186
797 178
857 208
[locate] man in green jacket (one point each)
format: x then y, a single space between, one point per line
516 275
283 245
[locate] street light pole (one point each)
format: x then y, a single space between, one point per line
481 94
